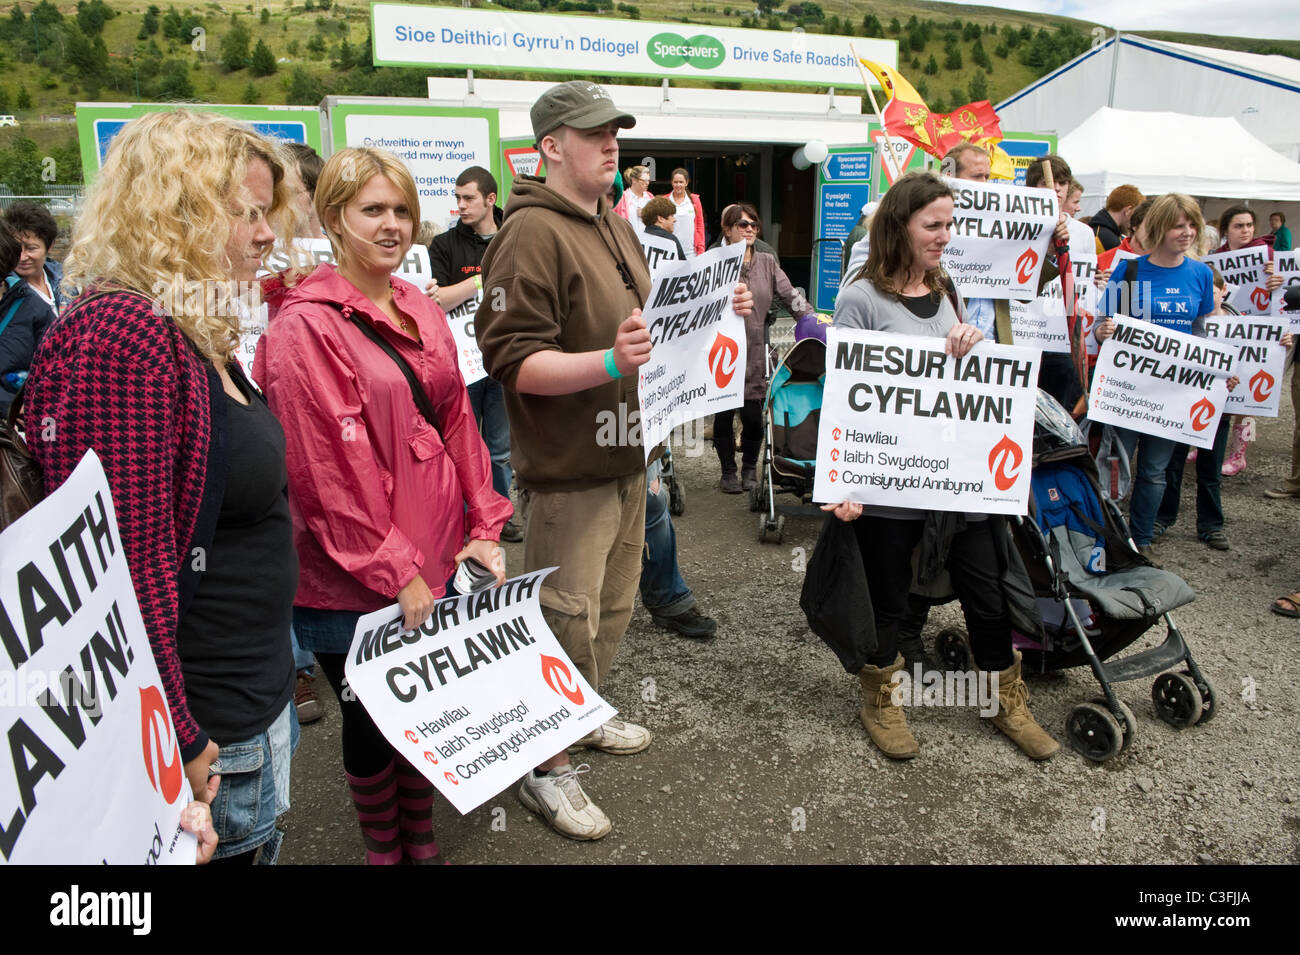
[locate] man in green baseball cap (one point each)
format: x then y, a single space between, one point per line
560 327
577 104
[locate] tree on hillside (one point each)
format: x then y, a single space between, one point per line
932 66
915 39
251 95
304 89
952 56
20 168
871 26
149 25
92 16
173 82
972 31
979 86
895 27
979 57
234 47
263 60
24 100
46 14
768 7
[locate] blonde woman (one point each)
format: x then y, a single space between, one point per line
141 372
388 498
635 196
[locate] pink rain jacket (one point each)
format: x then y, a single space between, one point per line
376 495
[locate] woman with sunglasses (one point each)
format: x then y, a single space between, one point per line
764 278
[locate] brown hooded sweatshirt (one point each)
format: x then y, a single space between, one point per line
558 278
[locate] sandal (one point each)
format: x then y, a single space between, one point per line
1288 606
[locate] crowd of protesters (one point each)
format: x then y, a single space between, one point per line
350 468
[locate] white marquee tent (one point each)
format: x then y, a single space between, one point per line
1172 152
1135 73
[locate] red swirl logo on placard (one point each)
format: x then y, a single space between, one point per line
559 679
1025 265
1201 414
1004 463
1261 384
1260 299
162 756
724 356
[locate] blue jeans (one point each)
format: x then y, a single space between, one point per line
254 789
1209 506
662 589
489 404
302 659
1148 481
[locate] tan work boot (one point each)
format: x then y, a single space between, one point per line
1015 720
884 721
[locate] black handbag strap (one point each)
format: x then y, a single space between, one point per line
417 392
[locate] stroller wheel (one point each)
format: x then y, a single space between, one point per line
1177 700
1094 732
780 527
676 499
1127 721
757 496
1207 699
952 649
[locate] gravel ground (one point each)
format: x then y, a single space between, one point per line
759 756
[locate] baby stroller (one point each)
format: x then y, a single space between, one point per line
1085 567
791 414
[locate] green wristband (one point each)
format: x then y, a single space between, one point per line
610 366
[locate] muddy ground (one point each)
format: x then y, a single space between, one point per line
759 756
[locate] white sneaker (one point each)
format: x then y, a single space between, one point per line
558 798
617 737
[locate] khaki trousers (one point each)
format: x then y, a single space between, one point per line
595 538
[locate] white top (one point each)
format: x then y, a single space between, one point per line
634 206
684 228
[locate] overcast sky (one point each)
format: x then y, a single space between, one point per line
1253 18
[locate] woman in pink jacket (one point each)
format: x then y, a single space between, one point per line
385 502
689 227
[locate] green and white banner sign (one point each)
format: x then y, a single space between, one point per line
409 35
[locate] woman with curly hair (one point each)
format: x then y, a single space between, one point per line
141 368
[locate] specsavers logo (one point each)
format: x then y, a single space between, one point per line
724 356
162 757
1004 463
702 52
1201 414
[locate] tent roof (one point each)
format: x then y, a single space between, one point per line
1174 152
1282 67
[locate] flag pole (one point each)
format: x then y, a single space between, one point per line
890 159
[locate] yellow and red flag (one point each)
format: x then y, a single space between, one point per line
907 116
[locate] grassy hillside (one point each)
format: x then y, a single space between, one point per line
56 53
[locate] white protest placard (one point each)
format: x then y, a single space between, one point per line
1083 262
415 266
1000 238
658 251
905 425
1287 265
1260 360
1040 322
1161 382
479 694
1245 267
697 362
468 356
93 772
415 269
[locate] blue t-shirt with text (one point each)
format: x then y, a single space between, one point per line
1170 297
